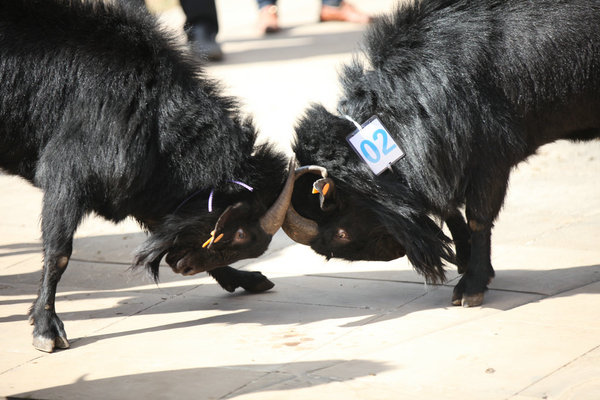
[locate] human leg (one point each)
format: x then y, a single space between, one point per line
202 26
338 10
267 16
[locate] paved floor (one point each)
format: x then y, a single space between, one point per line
328 330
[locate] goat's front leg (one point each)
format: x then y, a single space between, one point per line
469 290
230 279
484 200
60 217
461 236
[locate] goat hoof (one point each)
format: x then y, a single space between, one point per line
473 300
61 343
229 287
259 286
457 293
43 344
456 299
48 345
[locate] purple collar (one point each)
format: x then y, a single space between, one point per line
211 195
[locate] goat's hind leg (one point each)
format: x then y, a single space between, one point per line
60 218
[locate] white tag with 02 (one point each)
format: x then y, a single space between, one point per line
374 145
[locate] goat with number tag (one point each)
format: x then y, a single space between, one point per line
466 89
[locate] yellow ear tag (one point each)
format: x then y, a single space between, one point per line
212 239
207 242
314 191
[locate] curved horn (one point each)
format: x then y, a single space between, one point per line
299 229
315 169
274 217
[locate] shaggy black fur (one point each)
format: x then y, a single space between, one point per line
105 113
468 89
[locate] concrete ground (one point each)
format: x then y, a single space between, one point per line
328 330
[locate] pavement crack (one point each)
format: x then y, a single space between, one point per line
317 304
82 260
240 390
427 285
553 372
367 279
138 312
22 364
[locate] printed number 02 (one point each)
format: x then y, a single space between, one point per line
374 155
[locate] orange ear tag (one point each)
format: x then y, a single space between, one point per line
218 238
314 191
325 189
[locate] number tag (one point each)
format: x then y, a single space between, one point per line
375 146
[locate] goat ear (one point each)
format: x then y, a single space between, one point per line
325 187
231 213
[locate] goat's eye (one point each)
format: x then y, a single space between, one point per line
342 235
240 236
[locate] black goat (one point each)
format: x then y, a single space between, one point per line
105 113
467 89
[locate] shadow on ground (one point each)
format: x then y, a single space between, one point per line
287 46
190 382
335 294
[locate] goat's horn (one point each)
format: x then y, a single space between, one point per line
300 229
272 220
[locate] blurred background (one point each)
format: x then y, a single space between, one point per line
276 76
